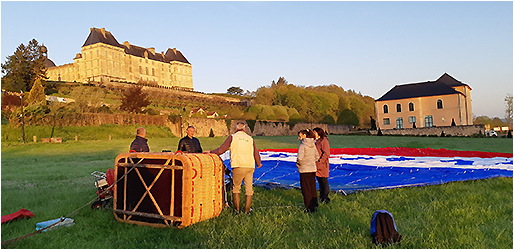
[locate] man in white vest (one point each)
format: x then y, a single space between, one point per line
243 157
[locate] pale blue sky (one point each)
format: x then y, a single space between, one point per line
365 46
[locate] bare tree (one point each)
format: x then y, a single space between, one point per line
508 109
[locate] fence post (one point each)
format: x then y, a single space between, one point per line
109 137
76 138
35 139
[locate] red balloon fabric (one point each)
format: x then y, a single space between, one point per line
20 214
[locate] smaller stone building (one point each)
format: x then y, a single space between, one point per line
425 104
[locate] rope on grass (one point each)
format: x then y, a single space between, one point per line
72 213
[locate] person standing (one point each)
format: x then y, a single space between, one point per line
190 144
322 164
140 144
243 157
306 163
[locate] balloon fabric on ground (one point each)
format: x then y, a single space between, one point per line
354 169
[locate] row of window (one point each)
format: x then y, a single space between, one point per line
429 121
411 106
180 70
98 54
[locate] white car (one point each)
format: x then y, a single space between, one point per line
491 133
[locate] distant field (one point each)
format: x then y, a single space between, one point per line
52 180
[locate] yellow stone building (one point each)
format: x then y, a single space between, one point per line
425 104
102 58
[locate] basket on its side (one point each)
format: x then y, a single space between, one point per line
168 189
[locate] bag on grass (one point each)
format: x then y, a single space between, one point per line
383 228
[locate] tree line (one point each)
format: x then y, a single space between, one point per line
328 104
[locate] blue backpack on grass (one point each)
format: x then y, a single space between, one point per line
383 228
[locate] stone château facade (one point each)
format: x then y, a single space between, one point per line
425 104
102 58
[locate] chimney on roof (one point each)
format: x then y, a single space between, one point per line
152 50
175 50
103 31
162 53
127 44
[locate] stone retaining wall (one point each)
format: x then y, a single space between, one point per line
462 130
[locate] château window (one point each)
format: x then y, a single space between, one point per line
140 70
411 106
399 122
386 121
386 109
153 72
398 108
439 104
412 119
429 121
146 70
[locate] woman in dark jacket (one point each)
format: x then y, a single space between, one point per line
322 164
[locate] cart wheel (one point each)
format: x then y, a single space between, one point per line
106 204
96 205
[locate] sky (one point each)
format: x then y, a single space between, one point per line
368 47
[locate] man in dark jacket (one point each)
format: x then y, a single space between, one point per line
140 143
190 144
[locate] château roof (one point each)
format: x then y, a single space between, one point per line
49 63
103 36
442 86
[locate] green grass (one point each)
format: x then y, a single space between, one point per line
13 135
52 180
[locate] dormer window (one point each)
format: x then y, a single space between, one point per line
398 108
411 106
386 109
439 104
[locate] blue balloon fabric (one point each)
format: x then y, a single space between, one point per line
351 173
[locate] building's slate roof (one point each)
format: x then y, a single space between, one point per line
49 63
97 36
442 86
450 81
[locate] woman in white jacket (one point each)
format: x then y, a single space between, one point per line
306 163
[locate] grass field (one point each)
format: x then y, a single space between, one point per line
52 180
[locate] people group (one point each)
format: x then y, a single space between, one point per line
312 162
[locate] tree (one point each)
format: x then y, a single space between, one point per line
280 113
482 120
328 119
87 98
134 99
265 96
235 91
37 93
20 70
497 122
348 117
508 110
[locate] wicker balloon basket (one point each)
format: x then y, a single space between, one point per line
168 189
